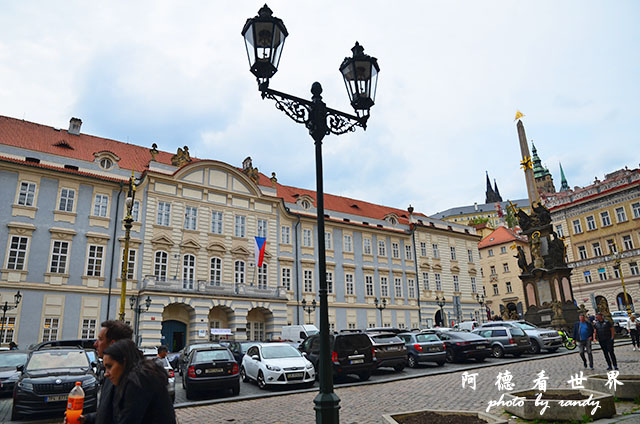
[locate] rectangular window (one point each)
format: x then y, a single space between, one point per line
397 283
604 217
327 240
597 250
307 278
382 248
348 281
602 274
613 248
164 214
587 276
329 275
616 272
240 229
395 250
474 285
627 242
490 252
577 226
456 283
492 269
27 193
633 268
17 253
509 289
216 222
188 271
505 267
100 205
262 276
50 329
423 248
190 218
89 328
351 326
306 237
559 231
384 287
131 265
503 250
621 215
348 243
495 290
411 286
366 246
238 272
582 252
453 253
470 255
160 265
67 197
636 210
368 285
59 256
591 223
425 280
94 261
408 254
262 228
215 272
285 234
438 281
436 254
135 211
286 278
8 329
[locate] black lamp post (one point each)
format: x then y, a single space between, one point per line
480 300
441 302
134 302
264 37
128 223
308 309
6 307
380 306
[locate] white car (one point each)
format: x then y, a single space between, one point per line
276 363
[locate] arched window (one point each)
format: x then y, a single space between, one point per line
262 276
238 272
216 271
160 265
188 271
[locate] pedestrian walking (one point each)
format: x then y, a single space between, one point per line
141 394
604 334
583 334
634 331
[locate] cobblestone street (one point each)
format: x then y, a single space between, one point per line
366 404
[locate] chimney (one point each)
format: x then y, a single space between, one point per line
475 205
74 126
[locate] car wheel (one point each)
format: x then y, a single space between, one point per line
411 361
399 367
535 347
235 390
450 357
364 376
261 383
497 351
440 363
243 375
15 416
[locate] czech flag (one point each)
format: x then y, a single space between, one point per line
258 248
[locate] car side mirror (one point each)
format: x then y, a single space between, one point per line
255 357
20 368
94 364
304 354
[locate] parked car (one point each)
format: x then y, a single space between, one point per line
297 333
47 378
462 345
505 340
240 348
467 325
211 368
83 343
423 347
540 338
390 351
152 354
184 353
9 360
276 363
393 330
351 353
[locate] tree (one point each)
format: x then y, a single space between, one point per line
478 221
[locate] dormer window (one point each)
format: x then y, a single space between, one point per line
305 204
391 219
106 164
106 160
305 201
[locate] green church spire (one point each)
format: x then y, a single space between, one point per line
564 185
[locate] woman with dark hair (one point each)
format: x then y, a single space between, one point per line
141 394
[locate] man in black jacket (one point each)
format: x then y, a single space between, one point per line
604 334
111 332
583 334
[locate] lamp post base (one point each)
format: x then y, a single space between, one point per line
327 408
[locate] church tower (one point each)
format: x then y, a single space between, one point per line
564 185
491 195
542 176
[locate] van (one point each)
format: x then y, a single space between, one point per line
467 325
297 333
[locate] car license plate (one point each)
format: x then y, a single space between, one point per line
56 398
213 370
295 375
356 361
481 346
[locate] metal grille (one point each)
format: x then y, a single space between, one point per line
53 388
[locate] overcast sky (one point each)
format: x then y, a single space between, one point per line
452 75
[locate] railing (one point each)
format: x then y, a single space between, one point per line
152 283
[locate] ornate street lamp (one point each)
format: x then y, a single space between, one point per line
380 306
6 307
308 309
264 37
134 303
441 302
618 257
128 222
480 300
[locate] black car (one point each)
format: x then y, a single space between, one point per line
351 353
210 368
239 349
462 345
83 343
9 360
47 378
184 353
390 350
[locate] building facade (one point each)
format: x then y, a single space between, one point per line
192 247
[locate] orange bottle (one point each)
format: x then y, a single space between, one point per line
75 403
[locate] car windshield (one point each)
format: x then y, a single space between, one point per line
312 332
464 335
280 351
244 346
526 326
201 345
386 338
517 332
55 359
12 360
427 338
212 355
352 342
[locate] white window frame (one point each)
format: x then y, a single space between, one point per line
587 276
349 286
505 267
366 246
456 283
27 193
262 227
8 329
627 242
285 273
382 248
454 256
348 243
597 249
95 261
160 265
605 218
307 238
582 252
470 255
408 253
635 207
577 226
188 271
50 329
263 276
67 199
17 253
368 285
474 285
59 256
438 281
131 264
329 277
559 231
101 205
591 223
327 240
436 252
307 279
163 216
88 329
240 227
411 287
239 269
395 250
190 218
621 214
384 286
285 234
135 211
633 268
215 271
217 222
425 280
397 287
508 286
423 248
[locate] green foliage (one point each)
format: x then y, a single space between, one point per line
510 218
477 221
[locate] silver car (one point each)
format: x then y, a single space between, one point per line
541 338
164 362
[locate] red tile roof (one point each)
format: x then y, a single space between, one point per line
500 236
